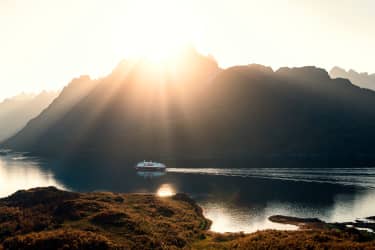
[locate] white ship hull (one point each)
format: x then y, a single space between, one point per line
150 166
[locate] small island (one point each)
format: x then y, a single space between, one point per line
48 218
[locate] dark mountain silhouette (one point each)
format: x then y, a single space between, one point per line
15 112
363 80
191 113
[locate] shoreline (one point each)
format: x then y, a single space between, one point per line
367 224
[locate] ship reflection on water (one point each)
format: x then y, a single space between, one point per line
150 174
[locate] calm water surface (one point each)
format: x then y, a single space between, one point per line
18 172
234 199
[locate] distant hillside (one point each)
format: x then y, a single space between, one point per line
193 113
15 112
363 80
70 96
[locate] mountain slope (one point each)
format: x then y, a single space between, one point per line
36 128
131 104
15 112
195 114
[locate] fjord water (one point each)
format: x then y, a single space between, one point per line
234 199
19 172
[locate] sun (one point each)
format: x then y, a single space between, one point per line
155 30
162 45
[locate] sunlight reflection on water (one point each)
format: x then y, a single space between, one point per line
339 207
18 172
165 190
226 218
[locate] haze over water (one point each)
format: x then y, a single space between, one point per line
234 199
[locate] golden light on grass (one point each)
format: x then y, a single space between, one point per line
166 190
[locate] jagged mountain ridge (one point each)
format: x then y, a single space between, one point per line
195 113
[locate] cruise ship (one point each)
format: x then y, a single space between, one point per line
150 166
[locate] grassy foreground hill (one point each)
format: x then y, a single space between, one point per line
47 218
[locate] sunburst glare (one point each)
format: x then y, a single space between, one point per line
162 29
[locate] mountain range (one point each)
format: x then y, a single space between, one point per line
363 80
193 113
16 111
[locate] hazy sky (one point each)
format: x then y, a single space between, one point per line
45 43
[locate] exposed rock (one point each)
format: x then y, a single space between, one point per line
301 222
315 223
